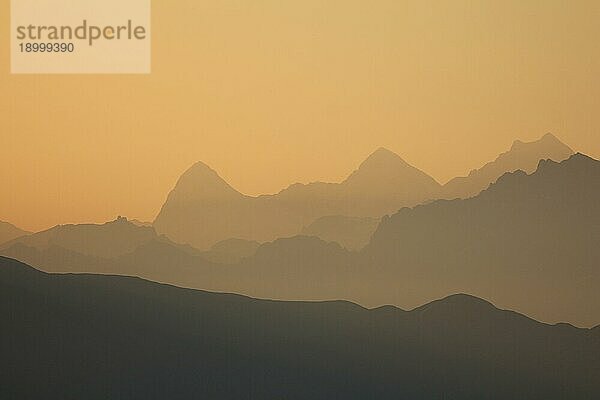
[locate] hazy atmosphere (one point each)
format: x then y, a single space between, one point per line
310 199
311 87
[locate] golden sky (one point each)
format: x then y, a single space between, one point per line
272 92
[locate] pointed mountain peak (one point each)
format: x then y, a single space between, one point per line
200 166
516 144
383 155
386 171
548 142
382 160
201 181
549 137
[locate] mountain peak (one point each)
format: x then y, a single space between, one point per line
382 156
379 163
457 302
201 181
550 136
548 142
523 156
516 144
551 139
384 169
577 160
200 166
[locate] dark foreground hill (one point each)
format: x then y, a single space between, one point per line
107 337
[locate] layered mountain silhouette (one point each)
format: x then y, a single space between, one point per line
203 209
97 247
527 239
528 242
99 337
351 232
111 239
521 156
9 232
231 251
140 223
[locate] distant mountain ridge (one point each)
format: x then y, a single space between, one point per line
203 209
108 240
9 232
224 346
523 237
351 232
521 156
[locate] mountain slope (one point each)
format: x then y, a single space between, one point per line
525 238
9 232
521 156
529 242
351 232
107 240
166 342
203 209
231 251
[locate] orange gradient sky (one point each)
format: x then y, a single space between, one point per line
273 92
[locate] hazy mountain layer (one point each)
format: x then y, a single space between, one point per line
108 240
528 239
522 156
203 209
9 232
353 233
231 251
99 337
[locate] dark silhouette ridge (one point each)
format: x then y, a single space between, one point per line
524 237
203 209
99 337
9 232
351 232
521 156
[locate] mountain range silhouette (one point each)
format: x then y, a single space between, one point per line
522 156
203 209
353 233
527 243
99 337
